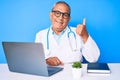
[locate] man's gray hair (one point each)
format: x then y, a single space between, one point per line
62 2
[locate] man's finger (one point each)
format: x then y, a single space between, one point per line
84 21
58 62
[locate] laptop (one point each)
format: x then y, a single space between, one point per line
27 57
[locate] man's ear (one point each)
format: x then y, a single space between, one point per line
69 18
51 15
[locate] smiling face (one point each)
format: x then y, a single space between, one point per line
59 17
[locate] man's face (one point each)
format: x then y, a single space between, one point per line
59 17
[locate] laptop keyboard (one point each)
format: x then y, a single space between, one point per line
52 70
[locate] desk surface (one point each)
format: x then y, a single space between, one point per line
66 74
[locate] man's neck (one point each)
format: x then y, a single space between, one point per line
58 32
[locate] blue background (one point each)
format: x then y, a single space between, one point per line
20 20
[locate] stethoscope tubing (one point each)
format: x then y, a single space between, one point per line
68 35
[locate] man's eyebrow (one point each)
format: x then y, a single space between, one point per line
61 11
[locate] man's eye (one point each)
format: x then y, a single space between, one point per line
57 13
66 15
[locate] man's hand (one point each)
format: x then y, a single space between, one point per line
53 61
81 30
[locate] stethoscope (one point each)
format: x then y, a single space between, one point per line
69 34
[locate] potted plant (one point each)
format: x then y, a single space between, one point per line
77 69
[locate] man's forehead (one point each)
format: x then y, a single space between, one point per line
61 6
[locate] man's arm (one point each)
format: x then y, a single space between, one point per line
82 31
90 49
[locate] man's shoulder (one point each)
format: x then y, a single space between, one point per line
43 31
72 28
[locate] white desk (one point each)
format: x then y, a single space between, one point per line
66 74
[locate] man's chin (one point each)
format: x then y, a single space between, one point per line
59 26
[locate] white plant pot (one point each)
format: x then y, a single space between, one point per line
77 73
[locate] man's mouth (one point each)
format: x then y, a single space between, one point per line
60 22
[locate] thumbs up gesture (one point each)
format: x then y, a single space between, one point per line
81 30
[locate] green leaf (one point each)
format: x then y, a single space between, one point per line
77 64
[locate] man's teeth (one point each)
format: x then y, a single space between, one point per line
61 22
